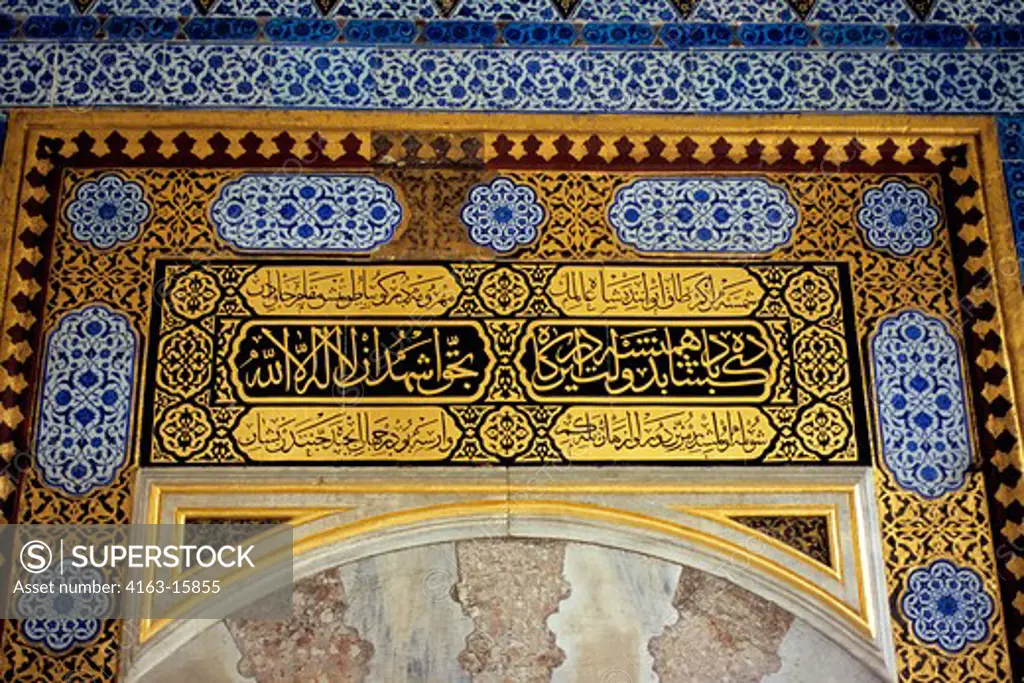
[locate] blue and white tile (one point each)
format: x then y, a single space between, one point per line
112 74
854 35
107 211
731 81
737 11
306 212
947 606
949 82
487 79
60 29
38 7
301 30
639 80
507 10
181 74
141 28
386 9
921 404
26 74
85 408
81 613
219 76
502 215
978 12
652 11
1011 137
861 12
322 77
166 8
847 81
898 217
271 8
742 214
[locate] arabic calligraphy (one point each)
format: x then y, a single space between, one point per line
675 362
328 290
361 361
393 433
662 433
501 363
682 291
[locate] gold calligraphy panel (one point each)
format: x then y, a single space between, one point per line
526 362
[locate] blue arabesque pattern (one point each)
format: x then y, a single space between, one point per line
107 210
481 79
947 606
898 217
85 409
920 399
746 215
80 612
308 212
502 215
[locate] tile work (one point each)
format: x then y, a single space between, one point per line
1011 147
27 74
922 412
86 399
480 79
947 605
519 610
983 11
890 11
608 29
858 11
742 11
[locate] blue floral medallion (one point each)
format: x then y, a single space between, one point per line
502 215
85 409
306 212
947 606
922 414
107 210
748 215
898 217
81 613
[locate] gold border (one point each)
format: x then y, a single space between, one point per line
978 131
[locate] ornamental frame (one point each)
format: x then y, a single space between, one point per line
963 149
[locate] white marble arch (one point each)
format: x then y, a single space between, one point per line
647 511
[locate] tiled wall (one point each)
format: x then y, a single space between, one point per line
1011 147
870 11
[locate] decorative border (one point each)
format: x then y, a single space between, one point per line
282 76
977 11
528 32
